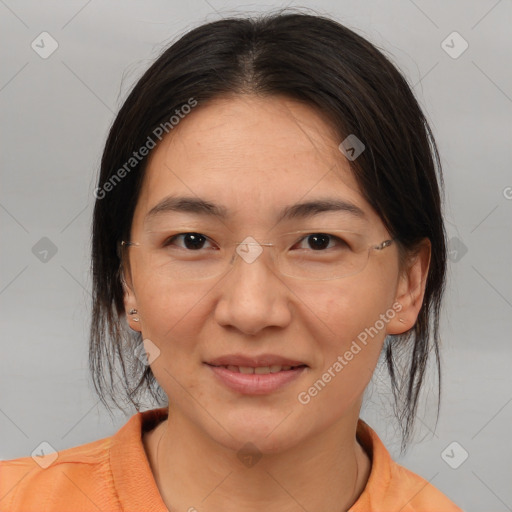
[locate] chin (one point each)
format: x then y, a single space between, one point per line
270 432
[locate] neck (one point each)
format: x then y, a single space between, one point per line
327 472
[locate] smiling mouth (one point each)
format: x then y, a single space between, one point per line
257 379
259 370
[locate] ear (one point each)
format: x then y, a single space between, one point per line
130 301
411 289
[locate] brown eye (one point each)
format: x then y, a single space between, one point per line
190 241
318 241
321 241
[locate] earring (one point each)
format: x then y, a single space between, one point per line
134 312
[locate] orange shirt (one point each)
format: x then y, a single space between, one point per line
113 474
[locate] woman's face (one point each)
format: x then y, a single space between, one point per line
253 157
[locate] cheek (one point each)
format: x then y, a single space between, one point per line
352 319
170 314
172 319
353 353
346 310
347 366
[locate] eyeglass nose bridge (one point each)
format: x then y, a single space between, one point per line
249 249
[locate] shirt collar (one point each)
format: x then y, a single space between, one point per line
133 479
137 489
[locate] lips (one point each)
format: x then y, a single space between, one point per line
258 375
260 370
261 361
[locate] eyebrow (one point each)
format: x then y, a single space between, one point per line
198 206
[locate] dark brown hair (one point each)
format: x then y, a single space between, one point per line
313 59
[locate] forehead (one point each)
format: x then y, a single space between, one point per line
252 154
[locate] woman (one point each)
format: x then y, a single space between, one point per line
267 224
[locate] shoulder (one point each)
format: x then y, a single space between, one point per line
91 476
392 487
73 476
416 493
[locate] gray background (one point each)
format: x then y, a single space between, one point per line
55 116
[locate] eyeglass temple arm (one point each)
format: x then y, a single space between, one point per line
383 245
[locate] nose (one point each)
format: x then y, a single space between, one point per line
253 294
